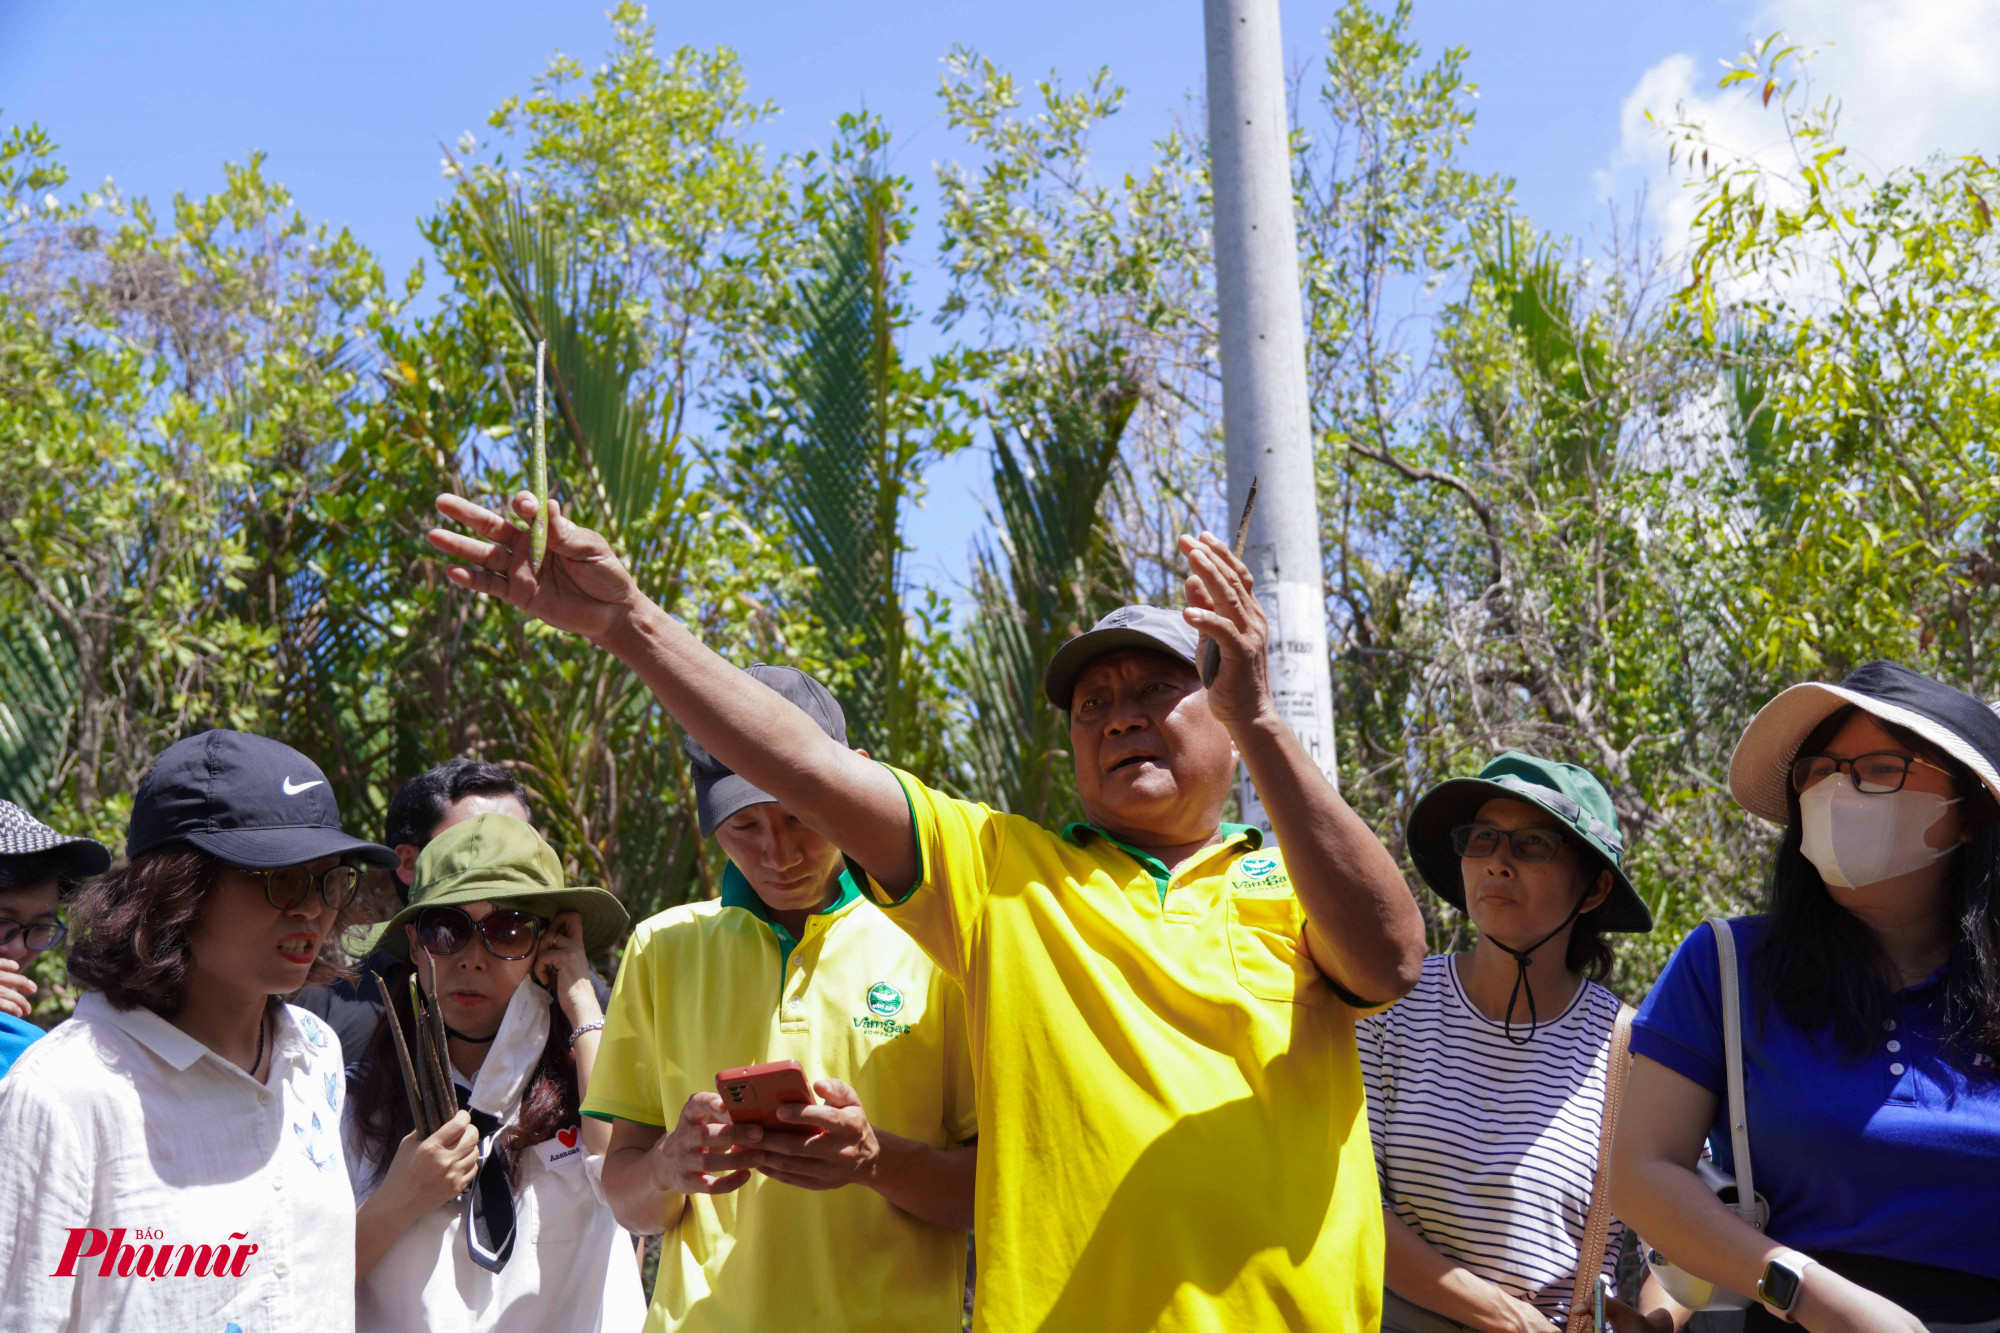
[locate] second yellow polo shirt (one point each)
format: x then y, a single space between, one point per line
715 985
1173 1133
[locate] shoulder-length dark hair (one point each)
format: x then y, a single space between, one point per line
382 1111
1812 940
133 929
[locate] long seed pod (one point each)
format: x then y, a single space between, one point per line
427 1061
447 1094
417 1116
538 467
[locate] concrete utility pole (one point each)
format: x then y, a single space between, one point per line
1266 425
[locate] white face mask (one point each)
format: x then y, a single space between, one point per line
1855 839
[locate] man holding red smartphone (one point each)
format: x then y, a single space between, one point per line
791 971
1162 1008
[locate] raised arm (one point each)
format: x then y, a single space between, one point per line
1362 925
584 589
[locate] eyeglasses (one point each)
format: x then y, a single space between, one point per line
508 935
1875 774
1529 845
289 886
37 937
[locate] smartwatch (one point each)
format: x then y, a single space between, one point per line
1784 1278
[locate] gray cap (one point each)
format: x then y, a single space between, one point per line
1152 628
718 791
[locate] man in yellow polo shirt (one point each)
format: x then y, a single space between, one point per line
1161 1008
858 1221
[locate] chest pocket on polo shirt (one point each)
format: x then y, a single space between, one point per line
1267 946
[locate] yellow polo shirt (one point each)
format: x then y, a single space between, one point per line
715 985
1173 1133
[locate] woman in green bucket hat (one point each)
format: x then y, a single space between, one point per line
499 940
1487 1084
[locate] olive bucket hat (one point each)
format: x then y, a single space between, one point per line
495 859
1569 793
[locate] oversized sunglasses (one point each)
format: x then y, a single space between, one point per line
288 886
1529 845
39 936
508 935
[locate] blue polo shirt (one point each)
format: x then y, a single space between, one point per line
1894 1154
15 1035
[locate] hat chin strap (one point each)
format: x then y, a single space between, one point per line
1521 986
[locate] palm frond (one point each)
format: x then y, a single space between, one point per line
1573 389
595 356
38 691
848 470
1053 570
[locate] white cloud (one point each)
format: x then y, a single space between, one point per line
1912 77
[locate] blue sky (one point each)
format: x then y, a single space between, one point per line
349 99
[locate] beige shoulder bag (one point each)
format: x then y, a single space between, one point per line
1597 1222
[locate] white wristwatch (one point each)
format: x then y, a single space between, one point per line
1783 1280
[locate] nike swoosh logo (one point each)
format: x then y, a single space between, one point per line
290 790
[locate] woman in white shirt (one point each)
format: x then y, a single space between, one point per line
1486 1084
172 1157
505 1228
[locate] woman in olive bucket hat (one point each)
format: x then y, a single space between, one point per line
496 935
1487 1083
1870 1024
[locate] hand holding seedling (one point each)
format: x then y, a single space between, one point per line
582 587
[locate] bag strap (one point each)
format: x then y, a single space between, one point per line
1597 1223
1745 1206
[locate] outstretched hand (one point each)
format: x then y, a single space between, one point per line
1223 607
581 587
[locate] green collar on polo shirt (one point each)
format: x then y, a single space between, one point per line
1075 832
736 892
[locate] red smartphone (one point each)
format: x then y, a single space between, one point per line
753 1094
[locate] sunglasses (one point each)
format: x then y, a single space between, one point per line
42 935
1532 846
288 886
508 935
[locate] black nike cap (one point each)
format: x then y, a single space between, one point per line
252 801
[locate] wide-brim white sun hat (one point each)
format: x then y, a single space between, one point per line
1957 724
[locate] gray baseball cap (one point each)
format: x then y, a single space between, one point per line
1153 628
718 791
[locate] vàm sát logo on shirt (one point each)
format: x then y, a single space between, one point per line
1261 874
884 1003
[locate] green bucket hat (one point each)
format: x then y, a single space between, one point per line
496 859
1573 795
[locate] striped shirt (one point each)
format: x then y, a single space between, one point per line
1484 1148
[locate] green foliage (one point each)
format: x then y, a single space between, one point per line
1862 309
1051 571
1562 510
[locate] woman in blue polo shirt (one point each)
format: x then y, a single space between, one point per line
1870 1024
